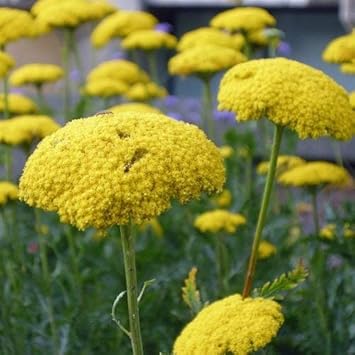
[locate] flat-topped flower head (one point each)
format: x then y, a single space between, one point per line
148 40
105 87
134 106
8 192
204 60
6 63
348 68
24 129
36 74
289 94
352 100
284 163
119 69
340 49
18 104
231 326
266 250
70 14
328 232
145 92
243 19
14 24
219 221
121 24
315 174
110 169
210 36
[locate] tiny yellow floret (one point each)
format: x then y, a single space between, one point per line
224 199
328 232
8 192
266 250
289 94
110 169
231 326
226 151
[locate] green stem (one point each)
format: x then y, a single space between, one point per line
127 240
152 63
337 153
315 211
208 121
76 54
8 162
6 97
41 100
263 210
221 264
66 65
248 181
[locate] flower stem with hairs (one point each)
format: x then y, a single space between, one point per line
263 210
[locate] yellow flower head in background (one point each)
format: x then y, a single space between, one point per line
231 325
289 94
14 24
24 129
314 174
134 106
154 225
261 38
8 191
328 232
348 68
204 60
219 221
340 49
121 24
226 151
70 13
6 63
224 200
145 92
18 104
284 163
119 69
110 169
149 40
243 19
266 250
105 87
210 36
36 74
352 99
349 231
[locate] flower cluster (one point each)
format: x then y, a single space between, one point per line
284 163
314 174
328 232
219 221
18 104
231 325
341 49
348 68
6 63
68 13
110 169
207 36
204 60
133 106
352 100
145 92
105 87
224 199
121 24
24 129
8 191
266 250
289 94
149 40
36 74
243 19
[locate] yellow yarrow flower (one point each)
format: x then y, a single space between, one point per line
18 104
284 163
289 94
121 24
224 200
126 167
348 68
118 69
314 174
204 60
226 151
154 225
8 192
70 13
328 232
266 250
14 24
243 19
352 99
219 221
133 106
231 325
6 63
36 74
105 87
145 92
341 49
261 38
24 129
149 40
349 231
210 36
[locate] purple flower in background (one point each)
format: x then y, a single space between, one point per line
284 49
118 55
193 117
18 91
171 101
163 27
75 75
224 116
176 115
192 105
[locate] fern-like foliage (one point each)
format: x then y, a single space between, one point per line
285 282
190 293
